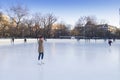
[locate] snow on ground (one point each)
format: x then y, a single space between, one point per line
65 59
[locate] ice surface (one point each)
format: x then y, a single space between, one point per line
65 59
16 41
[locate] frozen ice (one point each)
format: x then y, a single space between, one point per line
65 59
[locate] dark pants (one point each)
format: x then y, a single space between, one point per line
41 55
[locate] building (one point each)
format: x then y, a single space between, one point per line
106 27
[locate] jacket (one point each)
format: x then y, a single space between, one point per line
40 46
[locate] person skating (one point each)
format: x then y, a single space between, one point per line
109 42
12 40
40 50
25 40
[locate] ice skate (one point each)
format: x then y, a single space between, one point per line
39 62
42 62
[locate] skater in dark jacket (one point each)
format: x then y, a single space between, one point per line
25 40
109 42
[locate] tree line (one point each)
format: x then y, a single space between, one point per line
19 23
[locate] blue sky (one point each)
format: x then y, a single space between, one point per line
70 11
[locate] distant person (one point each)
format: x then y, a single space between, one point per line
12 41
40 49
25 40
45 39
114 39
105 40
109 42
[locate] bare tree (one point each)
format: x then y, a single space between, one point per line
91 20
18 13
29 23
47 21
4 23
85 20
43 23
60 29
86 25
103 21
37 21
81 22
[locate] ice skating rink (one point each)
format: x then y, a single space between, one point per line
64 60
